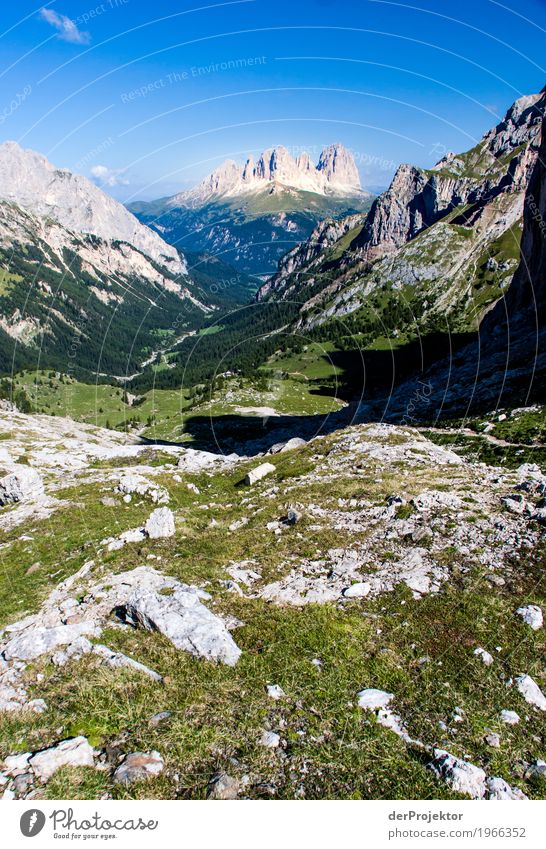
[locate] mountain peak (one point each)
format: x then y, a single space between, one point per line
32 182
335 174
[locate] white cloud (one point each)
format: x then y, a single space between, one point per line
67 29
108 176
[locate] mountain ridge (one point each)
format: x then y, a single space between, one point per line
276 170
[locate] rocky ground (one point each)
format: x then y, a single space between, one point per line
355 616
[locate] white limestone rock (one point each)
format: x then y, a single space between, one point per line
258 473
462 776
185 621
21 484
509 717
134 484
358 590
498 788
270 739
372 699
484 656
532 616
160 524
73 752
118 660
275 691
38 641
531 692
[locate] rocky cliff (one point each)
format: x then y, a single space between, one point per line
336 174
446 238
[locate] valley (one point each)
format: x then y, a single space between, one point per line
272 512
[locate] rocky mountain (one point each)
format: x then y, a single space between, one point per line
78 271
444 240
30 181
251 214
504 364
335 174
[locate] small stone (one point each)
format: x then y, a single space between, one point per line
531 692
37 705
139 766
223 786
484 656
292 516
359 590
493 740
496 580
162 716
509 717
270 740
372 699
274 691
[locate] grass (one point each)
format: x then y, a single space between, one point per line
332 748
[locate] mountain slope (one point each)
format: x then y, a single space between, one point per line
396 289
250 215
444 242
82 277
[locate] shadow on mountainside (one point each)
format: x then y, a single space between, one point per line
436 377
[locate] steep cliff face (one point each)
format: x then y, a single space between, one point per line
528 288
28 179
417 199
448 236
505 363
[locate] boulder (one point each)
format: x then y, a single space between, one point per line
185 621
139 766
19 485
73 752
160 523
258 473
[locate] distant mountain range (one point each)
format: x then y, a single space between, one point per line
444 241
251 214
417 275
78 271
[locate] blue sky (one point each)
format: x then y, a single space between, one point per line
148 97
